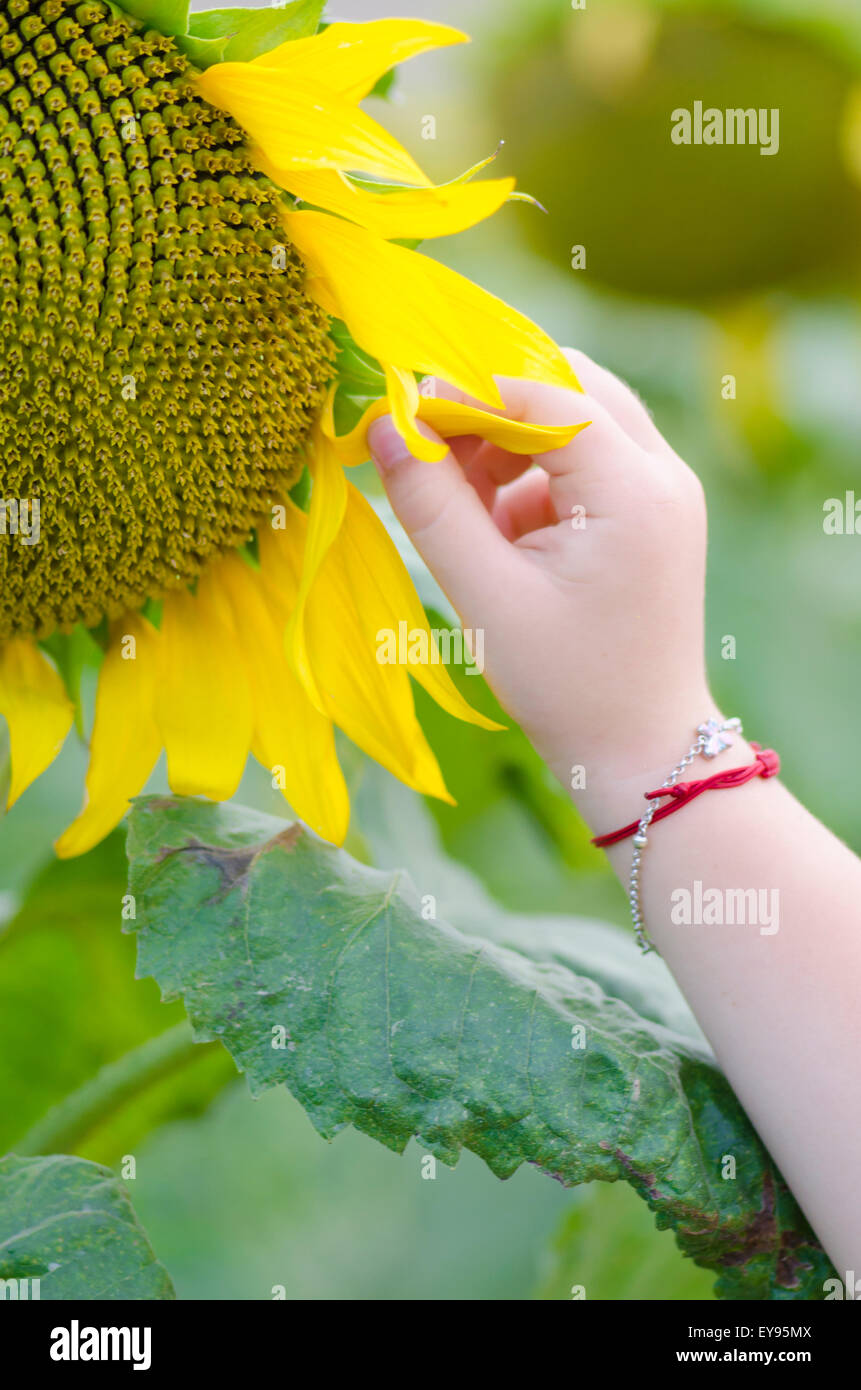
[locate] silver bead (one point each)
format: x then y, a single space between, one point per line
641 840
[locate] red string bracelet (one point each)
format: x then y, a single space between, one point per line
766 764
713 738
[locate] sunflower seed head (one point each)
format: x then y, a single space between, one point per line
160 363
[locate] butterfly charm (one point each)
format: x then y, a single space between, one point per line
712 734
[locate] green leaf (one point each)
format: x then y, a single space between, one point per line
238 35
70 1224
323 974
400 831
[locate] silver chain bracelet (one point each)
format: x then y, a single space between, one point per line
710 742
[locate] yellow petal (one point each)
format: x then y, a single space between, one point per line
289 733
451 419
282 552
351 58
36 708
299 124
389 598
126 742
403 396
371 702
203 704
319 290
411 312
328 496
326 513
402 213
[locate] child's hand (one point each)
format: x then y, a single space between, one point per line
594 642
586 573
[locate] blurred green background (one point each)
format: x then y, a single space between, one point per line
701 263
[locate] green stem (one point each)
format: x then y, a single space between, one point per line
65 1124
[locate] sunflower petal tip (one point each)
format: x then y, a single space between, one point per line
70 843
575 383
437 790
493 727
428 450
444 34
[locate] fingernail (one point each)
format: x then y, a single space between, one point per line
386 445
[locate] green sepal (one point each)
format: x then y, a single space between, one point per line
152 610
300 492
361 379
385 86
72 653
168 16
238 35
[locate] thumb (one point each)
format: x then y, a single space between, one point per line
445 520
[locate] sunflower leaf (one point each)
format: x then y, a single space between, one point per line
238 35
70 1225
334 979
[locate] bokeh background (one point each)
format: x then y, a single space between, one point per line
701 263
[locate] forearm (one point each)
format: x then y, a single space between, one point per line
777 992
588 581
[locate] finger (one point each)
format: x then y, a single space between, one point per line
620 400
465 447
483 485
489 468
446 521
599 469
524 506
498 465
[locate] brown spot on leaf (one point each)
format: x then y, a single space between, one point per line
160 803
233 865
646 1181
763 1236
286 838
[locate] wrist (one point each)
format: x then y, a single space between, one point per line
609 781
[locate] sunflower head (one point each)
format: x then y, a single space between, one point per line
175 242
160 363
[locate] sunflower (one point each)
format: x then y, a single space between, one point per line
208 289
